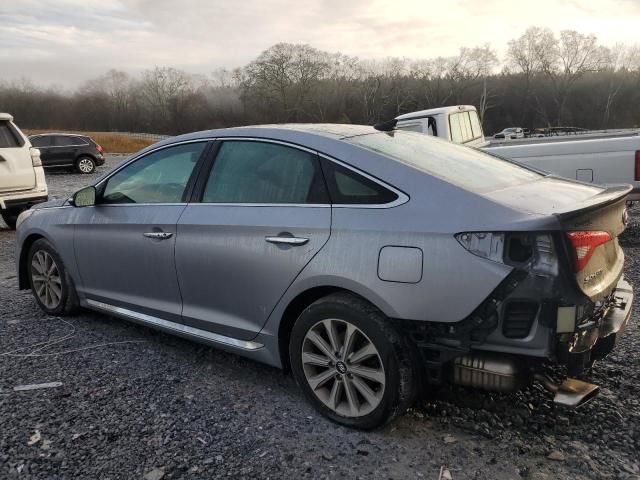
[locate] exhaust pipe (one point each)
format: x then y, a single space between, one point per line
570 393
504 374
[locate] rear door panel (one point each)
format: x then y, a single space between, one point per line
230 277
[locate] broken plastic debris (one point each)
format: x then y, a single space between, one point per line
36 386
445 474
35 438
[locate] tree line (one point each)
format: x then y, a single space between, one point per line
545 79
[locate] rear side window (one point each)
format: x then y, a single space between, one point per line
466 167
79 141
260 172
8 138
347 187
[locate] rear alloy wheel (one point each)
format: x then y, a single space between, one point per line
50 283
85 165
351 364
343 367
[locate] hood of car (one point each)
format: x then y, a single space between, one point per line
58 202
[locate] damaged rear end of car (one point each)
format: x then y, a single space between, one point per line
565 303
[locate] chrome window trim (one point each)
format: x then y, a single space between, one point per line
66 146
176 327
138 157
51 135
135 158
402 197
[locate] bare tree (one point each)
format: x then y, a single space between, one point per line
572 55
527 55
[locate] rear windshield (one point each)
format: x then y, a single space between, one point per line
462 166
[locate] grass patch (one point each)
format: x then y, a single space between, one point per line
111 143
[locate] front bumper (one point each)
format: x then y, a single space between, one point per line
21 203
598 339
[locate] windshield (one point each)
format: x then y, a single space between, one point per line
462 166
509 130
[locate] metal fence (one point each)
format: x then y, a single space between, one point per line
147 136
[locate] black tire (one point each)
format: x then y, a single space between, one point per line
396 354
10 218
85 165
68 303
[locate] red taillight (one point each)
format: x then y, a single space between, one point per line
584 244
100 149
637 177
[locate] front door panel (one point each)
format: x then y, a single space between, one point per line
121 266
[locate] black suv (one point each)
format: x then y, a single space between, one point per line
63 150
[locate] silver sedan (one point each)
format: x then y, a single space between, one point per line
371 264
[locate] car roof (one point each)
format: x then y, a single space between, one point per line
331 130
51 134
6 116
283 131
436 111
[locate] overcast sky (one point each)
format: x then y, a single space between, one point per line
65 42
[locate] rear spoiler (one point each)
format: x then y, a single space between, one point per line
608 196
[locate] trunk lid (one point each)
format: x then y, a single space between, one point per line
579 208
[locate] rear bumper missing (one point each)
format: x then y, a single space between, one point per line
595 342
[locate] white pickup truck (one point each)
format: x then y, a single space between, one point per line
602 159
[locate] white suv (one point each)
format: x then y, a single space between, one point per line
22 182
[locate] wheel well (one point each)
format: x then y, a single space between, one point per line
23 282
78 157
293 311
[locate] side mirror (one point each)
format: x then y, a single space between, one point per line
85 197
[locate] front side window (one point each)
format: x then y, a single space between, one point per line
260 172
158 177
41 142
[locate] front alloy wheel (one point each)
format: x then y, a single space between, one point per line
50 282
351 363
45 276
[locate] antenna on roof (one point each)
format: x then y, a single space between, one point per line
387 126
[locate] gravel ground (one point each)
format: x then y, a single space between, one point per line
164 407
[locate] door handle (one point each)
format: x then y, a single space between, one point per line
294 241
158 235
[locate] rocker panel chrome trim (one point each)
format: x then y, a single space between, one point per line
176 327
